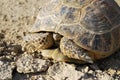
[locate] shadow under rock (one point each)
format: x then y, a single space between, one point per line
111 62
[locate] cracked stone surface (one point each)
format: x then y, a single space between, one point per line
63 71
6 69
26 63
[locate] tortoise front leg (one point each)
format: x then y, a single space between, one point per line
70 49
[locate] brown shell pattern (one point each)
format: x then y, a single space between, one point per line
91 24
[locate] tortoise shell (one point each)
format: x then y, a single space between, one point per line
92 24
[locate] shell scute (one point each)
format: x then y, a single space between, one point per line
69 15
92 24
100 16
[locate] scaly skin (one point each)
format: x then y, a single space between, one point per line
38 41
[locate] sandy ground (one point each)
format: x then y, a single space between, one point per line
16 16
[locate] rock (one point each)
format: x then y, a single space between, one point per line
118 72
26 63
118 2
64 71
9 50
83 69
86 69
40 77
111 72
2 46
14 48
102 76
90 71
2 36
6 69
33 76
19 76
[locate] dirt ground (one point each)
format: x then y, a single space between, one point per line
16 16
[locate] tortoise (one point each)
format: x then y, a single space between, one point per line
86 30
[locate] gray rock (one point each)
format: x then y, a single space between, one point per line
38 76
6 69
64 71
1 35
26 63
103 76
41 77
